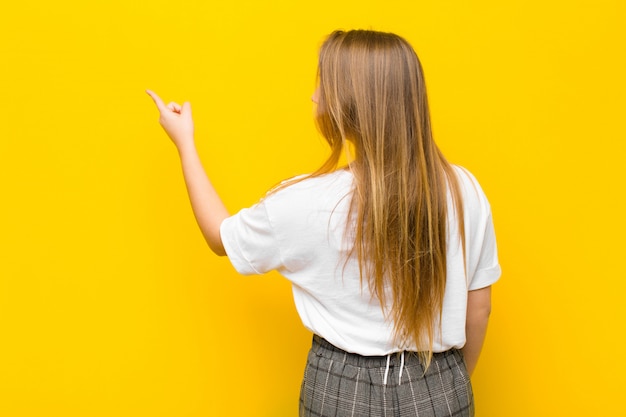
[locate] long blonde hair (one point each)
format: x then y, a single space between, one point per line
372 93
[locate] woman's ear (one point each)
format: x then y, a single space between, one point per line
315 98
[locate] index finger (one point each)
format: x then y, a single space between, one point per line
157 100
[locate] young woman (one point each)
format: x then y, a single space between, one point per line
391 258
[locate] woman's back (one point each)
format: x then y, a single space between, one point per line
300 230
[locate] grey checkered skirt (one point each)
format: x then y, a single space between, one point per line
337 383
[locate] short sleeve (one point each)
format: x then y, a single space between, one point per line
488 268
250 241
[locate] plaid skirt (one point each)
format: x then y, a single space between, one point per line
337 383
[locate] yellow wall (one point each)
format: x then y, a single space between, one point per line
110 303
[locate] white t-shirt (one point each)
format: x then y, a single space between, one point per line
299 231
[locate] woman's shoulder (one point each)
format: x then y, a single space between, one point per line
470 187
306 196
307 183
464 174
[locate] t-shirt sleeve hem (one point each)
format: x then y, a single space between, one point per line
485 278
233 250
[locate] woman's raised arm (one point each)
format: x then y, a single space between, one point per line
207 206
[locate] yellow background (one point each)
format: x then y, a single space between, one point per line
112 305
